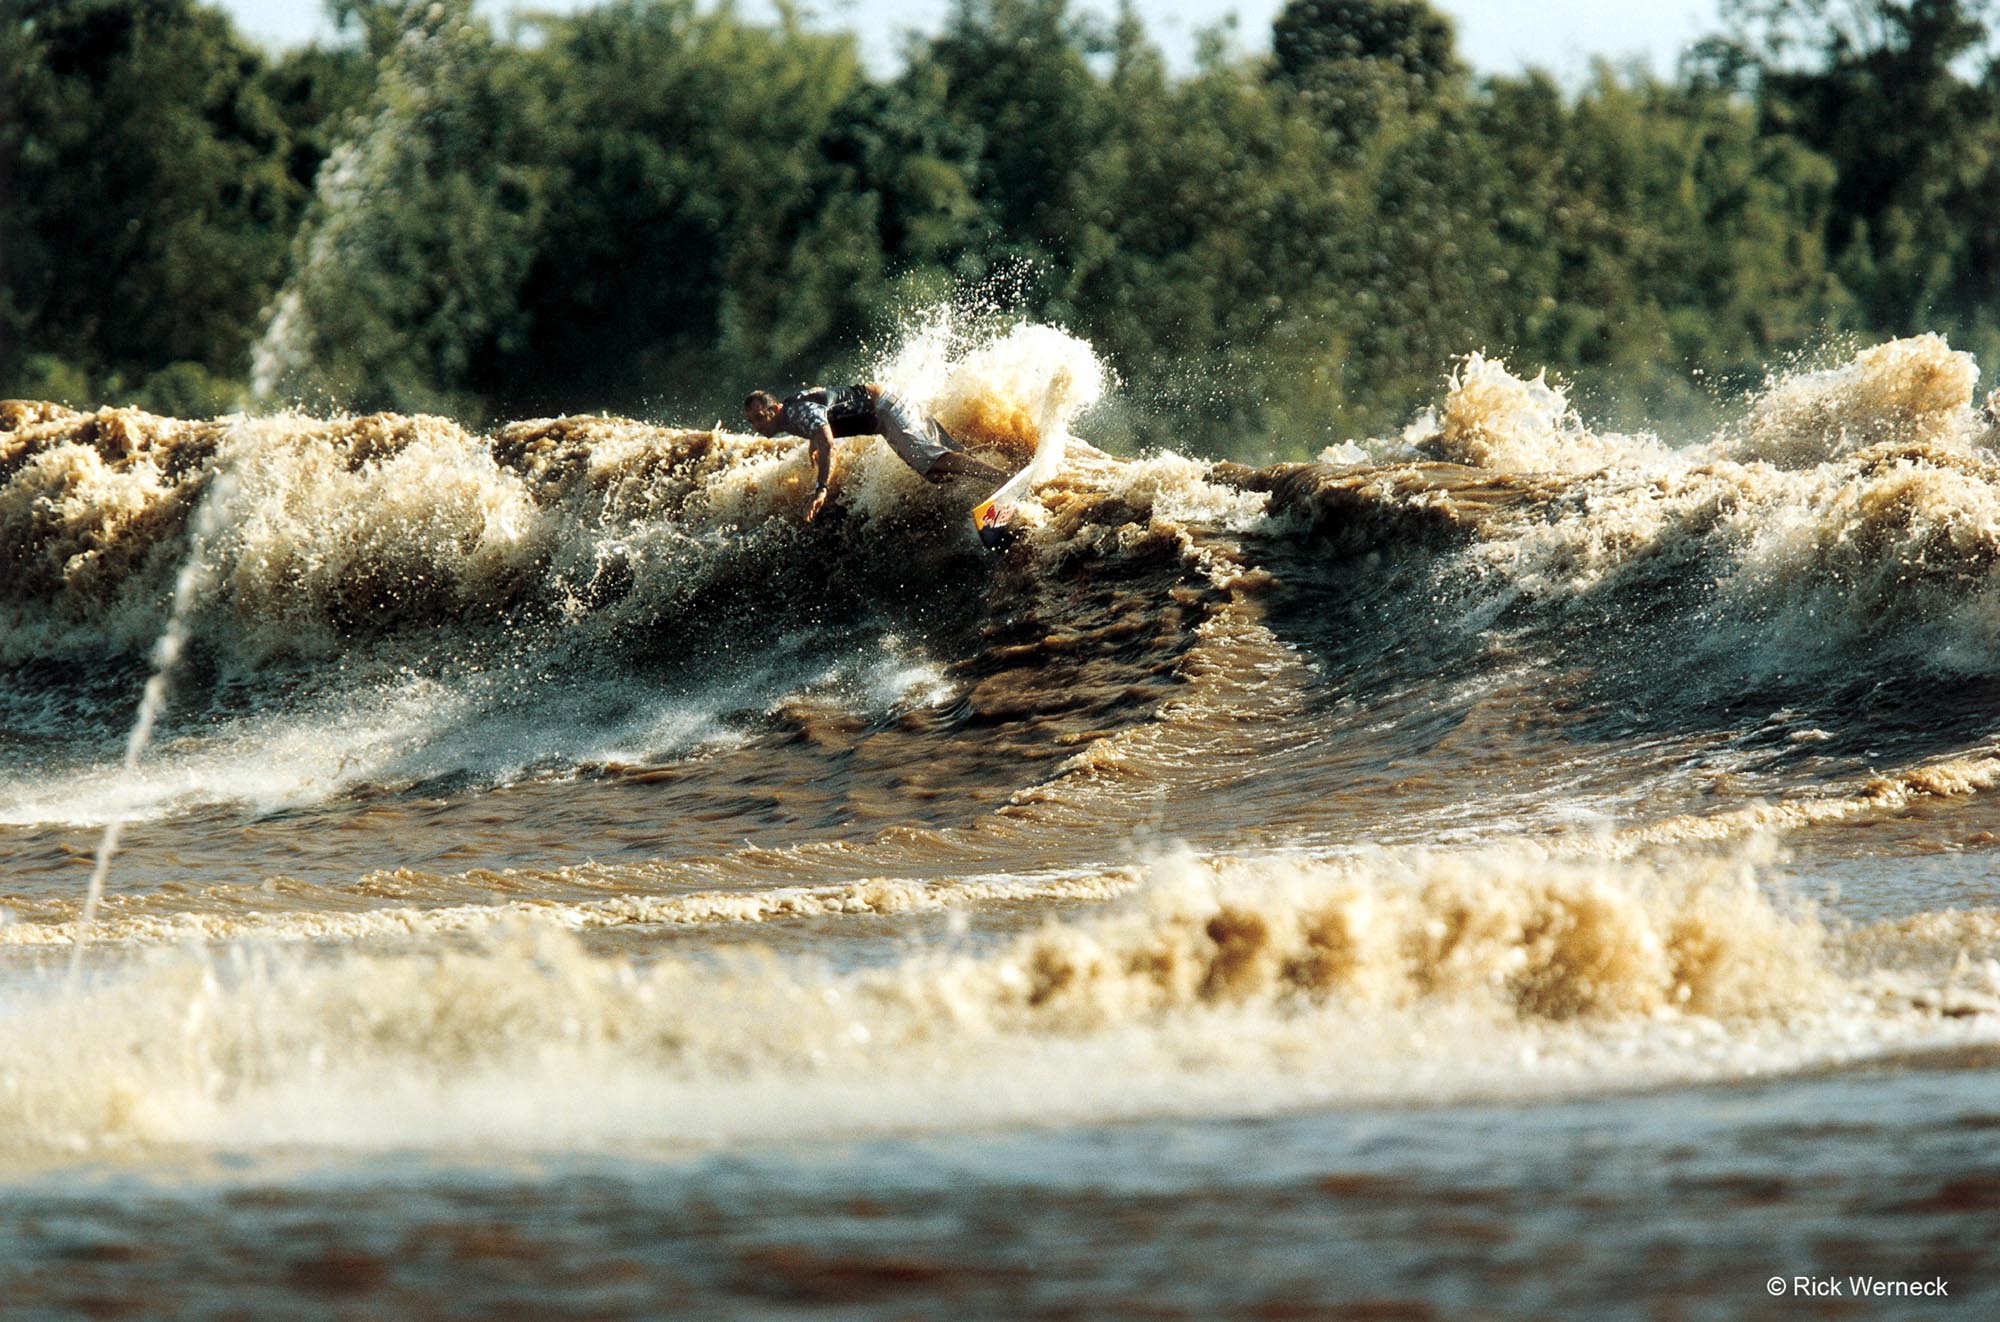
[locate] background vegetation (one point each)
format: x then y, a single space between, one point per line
648 208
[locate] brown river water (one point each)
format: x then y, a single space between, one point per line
1508 870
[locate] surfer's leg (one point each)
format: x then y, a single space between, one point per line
955 461
937 429
914 438
952 463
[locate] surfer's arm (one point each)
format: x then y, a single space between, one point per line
820 446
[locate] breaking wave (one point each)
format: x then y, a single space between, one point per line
1277 983
583 592
1864 494
1475 738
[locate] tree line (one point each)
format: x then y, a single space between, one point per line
651 206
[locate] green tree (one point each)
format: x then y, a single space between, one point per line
1650 238
1211 261
1882 88
321 93
705 241
897 144
1356 63
1018 80
146 202
1311 35
407 269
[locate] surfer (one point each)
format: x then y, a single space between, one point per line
865 409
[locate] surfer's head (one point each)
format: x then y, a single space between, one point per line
762 409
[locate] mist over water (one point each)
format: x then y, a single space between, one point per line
556 789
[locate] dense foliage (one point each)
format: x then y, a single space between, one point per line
651 205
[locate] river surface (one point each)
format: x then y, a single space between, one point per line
1508 870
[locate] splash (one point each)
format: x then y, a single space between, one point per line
1915 390
1494 419
454 586
359 528
1219 985
410 253
877 897
1017 391
210 518
398 599
1298 646
1850 523
1540 937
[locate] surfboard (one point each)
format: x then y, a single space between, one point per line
994 518
997 518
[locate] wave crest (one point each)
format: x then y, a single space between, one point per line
1255 982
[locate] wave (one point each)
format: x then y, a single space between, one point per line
1478 737
1242 985
231 913
568 591
1848 523
572 592
344 530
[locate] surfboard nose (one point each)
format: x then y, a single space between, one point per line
995 521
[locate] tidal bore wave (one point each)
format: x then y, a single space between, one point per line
1259 984
565 770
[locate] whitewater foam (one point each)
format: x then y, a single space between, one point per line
1218 986
1915 390
1871 541
1495 419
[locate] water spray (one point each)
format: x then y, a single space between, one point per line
210 517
